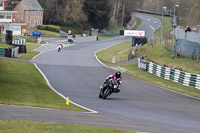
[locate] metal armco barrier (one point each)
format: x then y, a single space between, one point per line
177 76
111 35
22 48
9 52
153 13
14 52
20 41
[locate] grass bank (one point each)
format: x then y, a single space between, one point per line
184 64
139 22
3 45
22 84
21 126
112 31
118 53
153 54
30 51
45 33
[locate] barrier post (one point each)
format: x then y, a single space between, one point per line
197 54
191 52
185 51
181 51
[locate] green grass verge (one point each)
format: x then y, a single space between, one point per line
188 65
139 22
154 54
112 31
21 126
102 38
3 45
30 52
22 84
46 33
30 40
120 52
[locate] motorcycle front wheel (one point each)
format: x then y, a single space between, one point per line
100 96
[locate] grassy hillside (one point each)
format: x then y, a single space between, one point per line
153 54
21 126
22 84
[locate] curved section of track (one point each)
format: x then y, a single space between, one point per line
75 72
149 24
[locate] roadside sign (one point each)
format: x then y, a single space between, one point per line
143 65
134 33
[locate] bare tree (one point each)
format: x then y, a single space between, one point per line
74 15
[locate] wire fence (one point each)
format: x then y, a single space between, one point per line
178 48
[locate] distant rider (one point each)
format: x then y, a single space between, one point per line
188 29
117 79
60 46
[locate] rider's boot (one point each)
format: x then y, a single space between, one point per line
117 90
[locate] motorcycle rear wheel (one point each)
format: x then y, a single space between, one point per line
106 93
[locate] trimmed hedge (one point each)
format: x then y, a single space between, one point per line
49 27
42 27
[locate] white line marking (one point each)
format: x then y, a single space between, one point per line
48 83
152 28
38 50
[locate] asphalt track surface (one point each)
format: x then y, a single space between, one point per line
149 24
76 73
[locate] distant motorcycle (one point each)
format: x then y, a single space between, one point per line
60 46
109 87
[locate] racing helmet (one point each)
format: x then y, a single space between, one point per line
118 74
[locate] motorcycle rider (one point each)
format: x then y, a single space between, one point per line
117 79
60 46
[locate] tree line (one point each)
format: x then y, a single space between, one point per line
113 13
89 13
101 14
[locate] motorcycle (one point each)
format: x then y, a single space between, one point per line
108 88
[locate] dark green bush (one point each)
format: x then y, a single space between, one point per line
53 28
41 27
49 27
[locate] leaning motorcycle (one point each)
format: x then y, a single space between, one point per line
108 88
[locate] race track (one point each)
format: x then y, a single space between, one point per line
76 73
